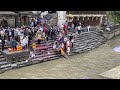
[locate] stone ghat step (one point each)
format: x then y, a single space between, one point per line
3 62
85 43
50 48
46 55
5 47
2 59
43 44
86 39
89 37
1 56
36 61
86 36
88 47
90 34
46 51
24 63
80 35
44 59
85 49
93 32
39 45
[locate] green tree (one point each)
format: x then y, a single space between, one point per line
114 16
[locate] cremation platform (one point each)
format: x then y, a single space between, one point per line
15 56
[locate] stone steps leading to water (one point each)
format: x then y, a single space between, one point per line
84 42
87 41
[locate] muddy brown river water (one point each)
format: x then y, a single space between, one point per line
81 66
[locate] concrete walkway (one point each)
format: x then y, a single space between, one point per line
82 66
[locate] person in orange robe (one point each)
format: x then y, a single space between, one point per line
19 47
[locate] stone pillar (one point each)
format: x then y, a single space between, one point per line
61 17
16 21
27 20
101 20
83 18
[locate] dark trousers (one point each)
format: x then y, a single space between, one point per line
3 47
52 36
72 45
39 41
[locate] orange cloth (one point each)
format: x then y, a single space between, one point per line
34 45
19 48
62 51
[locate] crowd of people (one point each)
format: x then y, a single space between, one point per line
77 27
25 37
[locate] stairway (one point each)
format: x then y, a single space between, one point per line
52 18
2 59
43 55
84 42
87 41
49 16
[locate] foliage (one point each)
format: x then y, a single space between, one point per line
114 16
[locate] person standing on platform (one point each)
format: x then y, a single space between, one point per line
88 27
2 34
68 44
39 37
14 44
73 27
12 31
62 26
68 50
76 31
71 37
26 41
15 34
51 33
7 34
48 31
3 43
23 43
79 29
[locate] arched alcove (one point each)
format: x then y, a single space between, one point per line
4 23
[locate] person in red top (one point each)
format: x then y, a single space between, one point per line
65 29
45 30
65 26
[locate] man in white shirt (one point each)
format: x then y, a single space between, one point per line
62 26
88 27
2 34
79 27
41 28
23 43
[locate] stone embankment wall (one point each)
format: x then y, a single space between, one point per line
111 34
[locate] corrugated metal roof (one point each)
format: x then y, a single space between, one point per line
7 13
26 12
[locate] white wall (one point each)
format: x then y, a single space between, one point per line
44 13
61 17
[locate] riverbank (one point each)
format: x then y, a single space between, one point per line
85 65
